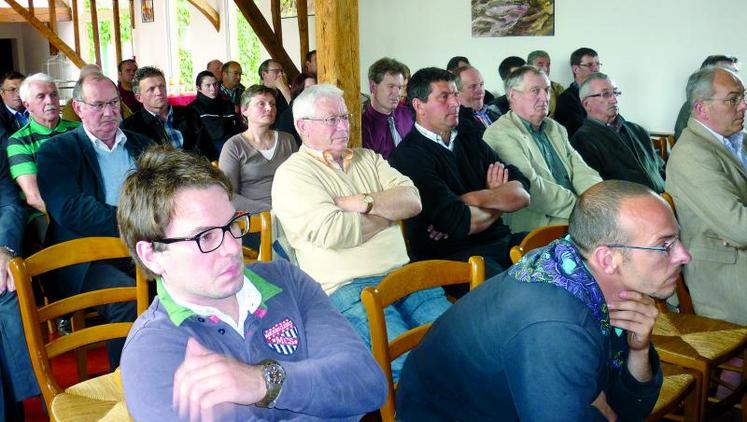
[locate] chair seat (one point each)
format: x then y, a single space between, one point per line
677 382
100 398
695 335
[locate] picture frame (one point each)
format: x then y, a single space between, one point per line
147 12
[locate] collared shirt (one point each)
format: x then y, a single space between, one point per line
551 156
482 116
436 138
328 159
378 129
248 298
115 163
175 136
734 143
24 115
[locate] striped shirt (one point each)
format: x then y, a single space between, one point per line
25 143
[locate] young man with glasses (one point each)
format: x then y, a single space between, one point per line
222 341
611 145
565 334
707 178
340 207
80 176
569 112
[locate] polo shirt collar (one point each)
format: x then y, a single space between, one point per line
326 158
436 138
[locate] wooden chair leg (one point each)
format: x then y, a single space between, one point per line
77 322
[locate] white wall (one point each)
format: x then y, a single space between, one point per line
648 47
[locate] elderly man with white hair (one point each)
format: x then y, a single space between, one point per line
339 209
42 100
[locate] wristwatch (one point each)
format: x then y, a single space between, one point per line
274 376
8 251
369 201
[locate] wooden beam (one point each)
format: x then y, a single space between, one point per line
338 56
31 7
52 15
277 25
302 11
8 15
208 11
95 26
132 14
49 35
76 27
267 36
117 31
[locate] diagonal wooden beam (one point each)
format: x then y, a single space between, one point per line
208 11
266 36
47 33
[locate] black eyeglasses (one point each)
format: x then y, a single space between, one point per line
211 239
666 248
590 65
606 94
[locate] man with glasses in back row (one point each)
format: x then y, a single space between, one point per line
707 177
80 176
570 112
272 75
340 208
611 145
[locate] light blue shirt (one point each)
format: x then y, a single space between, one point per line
734 143
114 164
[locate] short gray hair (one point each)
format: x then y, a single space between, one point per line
536 54
700 84
305 104
585 89
78 94
515 79
23 90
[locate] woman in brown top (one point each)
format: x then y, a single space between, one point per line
250 158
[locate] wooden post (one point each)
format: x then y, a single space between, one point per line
52 9
31 7
302 12
117 29
95 26
76 26
338 57
276 22
132 14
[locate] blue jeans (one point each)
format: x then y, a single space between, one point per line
17 379
416 309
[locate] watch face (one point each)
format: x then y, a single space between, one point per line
275 373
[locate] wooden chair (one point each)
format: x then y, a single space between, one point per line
398 284
663 143
82 398
260 223
536 239
680 390
703 344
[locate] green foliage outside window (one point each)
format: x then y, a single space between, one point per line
248 50
106 31
183 19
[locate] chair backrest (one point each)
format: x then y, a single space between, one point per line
683 293
58 256
537 238
398 284
260 223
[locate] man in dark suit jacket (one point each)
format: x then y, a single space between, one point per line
80 175
569 112
11 105
474 115
178 126
17 381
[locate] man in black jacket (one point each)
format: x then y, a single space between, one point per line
165 124
474 115
13 114
569 112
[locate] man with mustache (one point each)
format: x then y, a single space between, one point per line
80 176
539 147
563 335
385 121
41 99
611 145
465 186
707 177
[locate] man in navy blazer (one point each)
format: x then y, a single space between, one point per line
12 111
80 175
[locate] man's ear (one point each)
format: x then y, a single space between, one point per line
417 105
371 86
149 256
604 259
699 110
574 69
75 105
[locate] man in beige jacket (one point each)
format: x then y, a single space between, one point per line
706 176
539 147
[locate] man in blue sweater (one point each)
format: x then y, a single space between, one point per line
222 341
565 334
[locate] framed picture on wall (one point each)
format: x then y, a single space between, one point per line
147 11
507 18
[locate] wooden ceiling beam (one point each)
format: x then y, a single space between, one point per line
8 15
47 33
267 37
302 10
277 24
208 11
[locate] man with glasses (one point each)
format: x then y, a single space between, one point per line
539 147
563 335
224 341
611 145
13 114
569 112
340 208
80 176
464 185
272 75
707 177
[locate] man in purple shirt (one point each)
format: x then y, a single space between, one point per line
126 71
385 121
